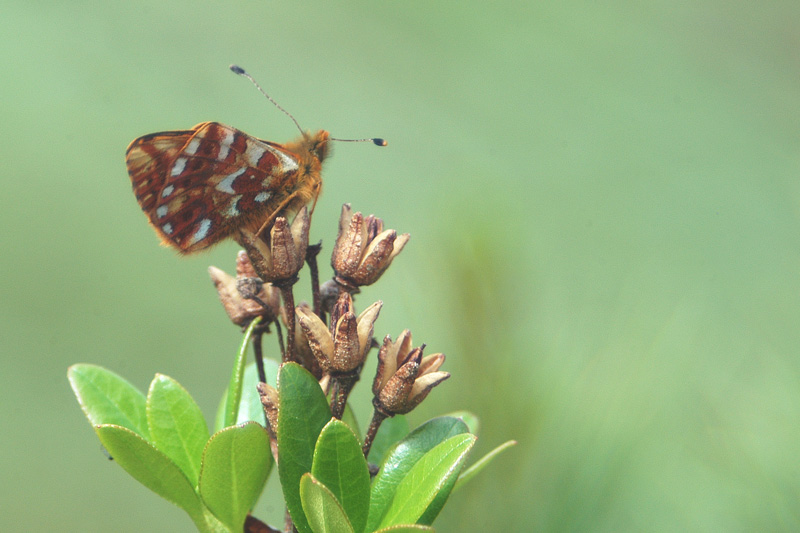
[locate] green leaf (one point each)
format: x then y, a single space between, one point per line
107 398
481 463
439 500
303 413
402 458
405 528
391 431
150 467
250 408
427 479
470 419
177 426
339 465
237 378
323 511
236 463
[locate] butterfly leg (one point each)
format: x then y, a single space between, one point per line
275 213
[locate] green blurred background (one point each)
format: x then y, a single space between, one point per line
604 206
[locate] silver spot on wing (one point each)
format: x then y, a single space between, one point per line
178 167
192 147
202 231
233 208
225 145
226 184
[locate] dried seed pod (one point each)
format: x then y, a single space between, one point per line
363 249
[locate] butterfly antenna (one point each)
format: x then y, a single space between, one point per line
242 72
376 141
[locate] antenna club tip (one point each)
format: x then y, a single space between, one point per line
237 69
380 142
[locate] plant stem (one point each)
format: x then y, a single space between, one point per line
344 384
288 304
259 354
311 258
279 333
377 419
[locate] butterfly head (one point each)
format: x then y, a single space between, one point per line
317 144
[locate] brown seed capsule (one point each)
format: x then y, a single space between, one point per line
363 249
302 351
242 297
270 402
282 257
404 377
345 349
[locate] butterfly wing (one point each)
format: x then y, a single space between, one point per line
197 186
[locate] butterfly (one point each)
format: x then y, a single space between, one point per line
202 185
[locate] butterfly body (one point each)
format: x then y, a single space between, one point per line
200 186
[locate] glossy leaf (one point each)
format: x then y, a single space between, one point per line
236 383
469 418
303 413
429 477
481 463
440 499
339 465
107 398
402 458
150 467
391 431
236 463
177 426
322 510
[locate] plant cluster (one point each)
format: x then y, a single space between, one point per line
333 480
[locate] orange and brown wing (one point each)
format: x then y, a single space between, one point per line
198 186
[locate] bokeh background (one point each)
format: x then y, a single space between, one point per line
605 214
